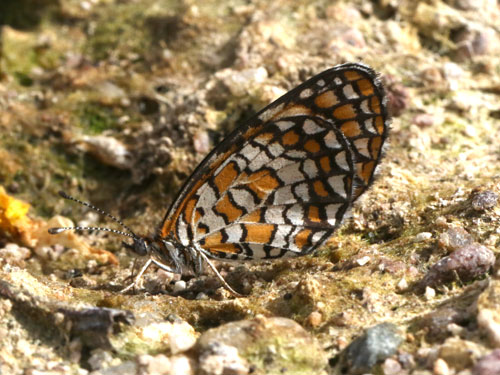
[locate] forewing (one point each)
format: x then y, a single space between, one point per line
260 170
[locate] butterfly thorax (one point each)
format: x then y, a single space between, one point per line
176 257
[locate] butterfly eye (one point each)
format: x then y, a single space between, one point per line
139 246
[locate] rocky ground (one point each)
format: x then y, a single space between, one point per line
116 102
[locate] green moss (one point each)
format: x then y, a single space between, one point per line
121 29
277 355
94 119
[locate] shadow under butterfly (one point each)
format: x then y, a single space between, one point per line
279 185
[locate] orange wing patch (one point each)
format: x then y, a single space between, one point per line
326 100
259 233
312 146
225 207
365 86
302 238
367 170
253 217
344 112
376 144
352 75
375 104
224 248
314 214
325 164
293 110
319 189
262 183
226 177
290 138
350 129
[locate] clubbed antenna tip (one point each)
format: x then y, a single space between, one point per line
56 230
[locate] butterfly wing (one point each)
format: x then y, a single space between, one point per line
281 183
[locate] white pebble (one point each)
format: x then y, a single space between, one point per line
179 286
362 261
422 236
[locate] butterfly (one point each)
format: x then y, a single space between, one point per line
280 184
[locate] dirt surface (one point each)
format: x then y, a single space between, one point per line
115 102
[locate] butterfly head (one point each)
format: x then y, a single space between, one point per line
140 246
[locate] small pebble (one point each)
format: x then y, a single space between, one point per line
178 337
108 150
422 236
222 359
363 260
488 365
436 322
430 293
454 238
398 96
458 353
14 254
179 286
314 319
423 120
484 200
467 263
440 367
391 367
201 142
378 343
488 312
49 252
402 284
441 222
182 365
157 365
201 296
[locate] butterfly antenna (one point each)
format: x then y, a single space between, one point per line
57 230
102 212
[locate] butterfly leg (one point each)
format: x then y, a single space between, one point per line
138 277
224 282
143 269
